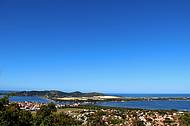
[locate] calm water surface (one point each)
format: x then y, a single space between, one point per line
29 99
35 99
152 95
152 105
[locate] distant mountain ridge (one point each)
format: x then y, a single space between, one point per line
7 91
55 94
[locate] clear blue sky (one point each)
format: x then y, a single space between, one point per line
124 46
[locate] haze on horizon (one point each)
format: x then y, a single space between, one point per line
133 46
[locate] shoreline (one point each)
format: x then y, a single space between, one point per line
120 98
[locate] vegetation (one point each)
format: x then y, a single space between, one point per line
52 94
47 115
185 119
140 123
12 115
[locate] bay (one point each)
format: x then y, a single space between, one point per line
151 95
181 105
29 99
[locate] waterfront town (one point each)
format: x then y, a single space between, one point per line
105 116
84 110
116 117
34 106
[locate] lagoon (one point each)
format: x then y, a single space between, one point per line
181 105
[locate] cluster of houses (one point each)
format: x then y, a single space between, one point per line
115 117
32 106
155 118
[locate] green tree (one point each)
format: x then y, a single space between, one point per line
41 115
63 119
51 106
4 100
168 121
2 107
185 120
44 111
10 116
48 121
96 119
25 118
140 123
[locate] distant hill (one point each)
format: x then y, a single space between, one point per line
55 94
7 91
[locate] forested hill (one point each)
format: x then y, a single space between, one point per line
56 94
